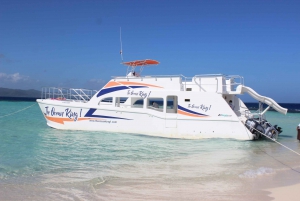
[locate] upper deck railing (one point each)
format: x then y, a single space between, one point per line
238 80
232 81
82 95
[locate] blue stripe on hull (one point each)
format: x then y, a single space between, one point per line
190 111
91 111
109 90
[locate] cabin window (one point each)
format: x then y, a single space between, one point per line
172 103
138 103
187 100
106 101
120 101
188 89
155 104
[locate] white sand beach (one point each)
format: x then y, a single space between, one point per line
290 193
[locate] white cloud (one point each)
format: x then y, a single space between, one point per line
16 77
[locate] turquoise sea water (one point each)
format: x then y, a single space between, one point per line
41 163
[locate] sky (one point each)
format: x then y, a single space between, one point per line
67 43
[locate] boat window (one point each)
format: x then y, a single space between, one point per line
138 103
120 101
155 104
106 101
188 89
187 100
172 104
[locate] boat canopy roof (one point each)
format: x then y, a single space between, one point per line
141 62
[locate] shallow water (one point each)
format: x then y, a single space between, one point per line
41 163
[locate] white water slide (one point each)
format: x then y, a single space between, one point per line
263 99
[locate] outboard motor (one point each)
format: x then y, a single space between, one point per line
259 128
279 130
254 127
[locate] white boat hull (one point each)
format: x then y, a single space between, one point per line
62 115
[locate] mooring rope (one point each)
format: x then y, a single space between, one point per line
17 111
279 161
281 145
277 142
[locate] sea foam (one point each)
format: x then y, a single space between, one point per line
256 173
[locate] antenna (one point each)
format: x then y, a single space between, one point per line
121 51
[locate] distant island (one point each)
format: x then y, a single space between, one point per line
19 94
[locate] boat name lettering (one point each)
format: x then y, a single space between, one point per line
68 113
202 107
142 94
53 112
71 115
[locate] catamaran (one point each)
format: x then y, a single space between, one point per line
172 106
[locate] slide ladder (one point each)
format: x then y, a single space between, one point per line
263 99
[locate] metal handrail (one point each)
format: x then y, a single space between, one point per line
238 80
199 84
67 93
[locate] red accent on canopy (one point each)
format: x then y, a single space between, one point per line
141 62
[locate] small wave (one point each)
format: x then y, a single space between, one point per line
256 173
96 182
